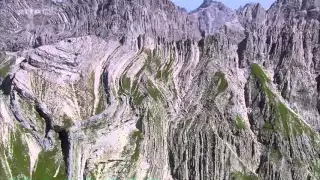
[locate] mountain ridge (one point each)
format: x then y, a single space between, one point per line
142 89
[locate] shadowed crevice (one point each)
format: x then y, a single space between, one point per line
6 85
65 144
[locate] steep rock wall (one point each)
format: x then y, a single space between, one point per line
132 99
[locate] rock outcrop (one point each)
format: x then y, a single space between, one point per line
142 89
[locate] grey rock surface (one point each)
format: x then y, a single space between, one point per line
143 89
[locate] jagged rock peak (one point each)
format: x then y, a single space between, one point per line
252 5
213 15
220 5
251 14
250 9
301 4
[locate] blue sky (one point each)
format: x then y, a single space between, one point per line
234 4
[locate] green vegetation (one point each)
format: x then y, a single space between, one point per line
221 82
285 120
154 92
38 116
126 84
268 126
5 68
152 63
136 94
165 73
19 160
137 137
4 169
130 86
243 176
315 169
92 176
282 117
47 165
100 107
275 154
240 123
288 122
263 79
133 91
258 72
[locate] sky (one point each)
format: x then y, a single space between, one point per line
234 4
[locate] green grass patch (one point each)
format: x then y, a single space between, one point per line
289 123
315 169
137 137
137 98
148 62
47 165
126 83
133 91
100 106
283 120
275 154
282 117
5 67
92 176
136 94
166 71
268 126
258 72
153 91
4 71
152 63
221 82
240 124
19 160
263 79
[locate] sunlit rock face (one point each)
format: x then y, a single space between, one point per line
141 89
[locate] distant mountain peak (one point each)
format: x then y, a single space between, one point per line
207 3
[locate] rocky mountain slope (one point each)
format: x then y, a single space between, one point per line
142 89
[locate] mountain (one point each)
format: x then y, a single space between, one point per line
98 89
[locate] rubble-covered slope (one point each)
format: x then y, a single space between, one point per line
142 89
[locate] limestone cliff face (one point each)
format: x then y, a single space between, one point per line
142 89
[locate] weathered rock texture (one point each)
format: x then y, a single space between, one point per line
142 89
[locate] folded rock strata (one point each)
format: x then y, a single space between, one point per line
142 89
